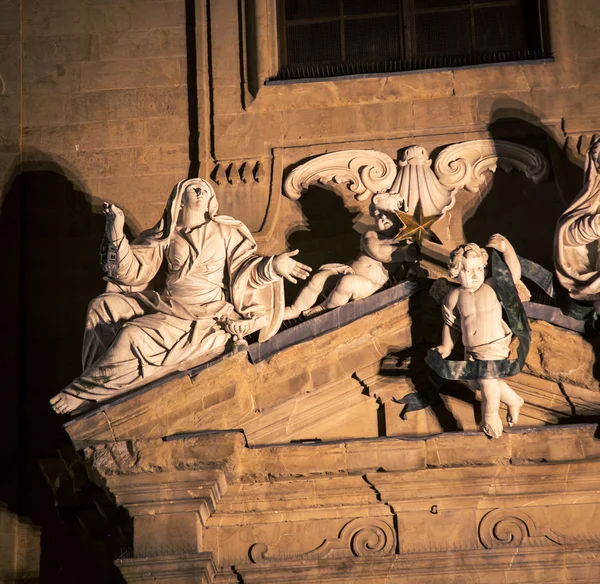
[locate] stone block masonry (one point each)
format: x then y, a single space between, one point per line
103 83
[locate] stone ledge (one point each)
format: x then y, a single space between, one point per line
228 452
550 566
198 568
169 492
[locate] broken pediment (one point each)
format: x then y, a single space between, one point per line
345 374
293 457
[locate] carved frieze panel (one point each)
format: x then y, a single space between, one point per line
517 528
412 182
361 537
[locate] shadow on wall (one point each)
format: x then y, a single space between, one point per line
328 237
49 230
516 207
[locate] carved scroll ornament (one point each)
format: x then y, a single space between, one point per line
515 528
412 182
367 172
362 537
465 165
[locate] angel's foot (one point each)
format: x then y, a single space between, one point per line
513 411
63 403
492 425
313 311
290 312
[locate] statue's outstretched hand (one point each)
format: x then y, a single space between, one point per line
115 221
290 269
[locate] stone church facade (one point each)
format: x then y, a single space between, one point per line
290 459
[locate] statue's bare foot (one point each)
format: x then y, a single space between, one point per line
513 411
290 312
63 403
492 425
313 311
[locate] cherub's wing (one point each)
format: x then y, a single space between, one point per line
367 171
464 165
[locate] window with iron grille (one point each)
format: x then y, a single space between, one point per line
329 38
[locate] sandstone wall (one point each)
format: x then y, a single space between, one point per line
93 107
19 549
105 97
101 100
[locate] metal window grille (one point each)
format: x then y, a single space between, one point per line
329 38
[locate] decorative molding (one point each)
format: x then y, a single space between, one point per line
236 172
362 537
367 171
416 184
411 182
198 568
490 566
514 528
465 165
169 492
580 141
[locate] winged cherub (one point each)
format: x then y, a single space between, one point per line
485 335
380 256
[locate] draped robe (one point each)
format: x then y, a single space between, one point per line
576 242
132 338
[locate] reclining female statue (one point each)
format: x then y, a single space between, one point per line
217 287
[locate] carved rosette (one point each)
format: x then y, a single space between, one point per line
362 537
466 164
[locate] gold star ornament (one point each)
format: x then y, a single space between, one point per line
416 227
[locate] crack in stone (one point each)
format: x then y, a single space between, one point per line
567 398
110 426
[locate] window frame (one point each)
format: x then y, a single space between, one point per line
406 20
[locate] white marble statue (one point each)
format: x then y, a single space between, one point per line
380 254
577 238
216 287
485 335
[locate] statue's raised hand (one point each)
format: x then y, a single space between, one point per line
290 269
115 222
498 242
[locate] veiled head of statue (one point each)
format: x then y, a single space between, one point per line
198 195
193 191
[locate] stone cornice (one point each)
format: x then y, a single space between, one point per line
198 568
169 492
578 564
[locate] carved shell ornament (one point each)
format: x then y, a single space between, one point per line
411 186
